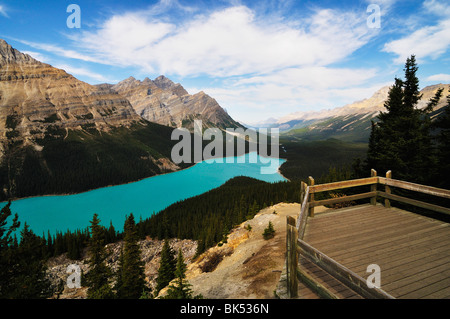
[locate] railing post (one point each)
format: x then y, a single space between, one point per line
311 197
373 188
291 257
302 191
387 190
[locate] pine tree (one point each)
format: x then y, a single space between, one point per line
181 289
401 140
131 281
29 268
269 231
167 266
6 241
443 146
99 274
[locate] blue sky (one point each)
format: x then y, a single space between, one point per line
258 59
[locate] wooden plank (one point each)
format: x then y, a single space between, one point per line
360 236
424 291
370 244
329 287
414 202
393 251
321 275
344 217
415 187
374 243
422 282
344 184
440 294
400 262
349 278
314 285
343 199
403 244
336 235
407 280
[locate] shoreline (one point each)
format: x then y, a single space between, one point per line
139 180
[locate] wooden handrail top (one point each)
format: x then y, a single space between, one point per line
343 184
430 190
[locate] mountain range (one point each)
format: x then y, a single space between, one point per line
351 122
164 102
61 135
35 96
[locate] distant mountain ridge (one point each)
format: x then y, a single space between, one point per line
164 102
351 122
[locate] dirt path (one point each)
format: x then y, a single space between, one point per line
253 268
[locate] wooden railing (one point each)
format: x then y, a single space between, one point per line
296 229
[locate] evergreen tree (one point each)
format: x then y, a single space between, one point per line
443 146
29 279
111 234
401 140
131 276
167 267
99 274
181 289
269 231
6 241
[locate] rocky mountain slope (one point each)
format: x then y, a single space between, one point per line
351 122
164 102
60 135
35 95
246 266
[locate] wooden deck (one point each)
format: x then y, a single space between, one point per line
412 251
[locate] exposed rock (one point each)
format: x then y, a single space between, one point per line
150 254
164 102
35 95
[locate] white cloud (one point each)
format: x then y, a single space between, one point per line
268 65
291 90
429 41
439 78
76 71
3 11
227 42
54 49
437 7
314 77
36 55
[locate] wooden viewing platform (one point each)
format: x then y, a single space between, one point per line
331 254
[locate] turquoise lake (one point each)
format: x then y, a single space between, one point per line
142 198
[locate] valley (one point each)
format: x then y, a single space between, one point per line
107 150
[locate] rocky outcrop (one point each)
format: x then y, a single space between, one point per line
35 95
150 255
165 102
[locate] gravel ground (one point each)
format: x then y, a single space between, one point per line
252 266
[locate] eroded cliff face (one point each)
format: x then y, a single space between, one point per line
35 95
165 102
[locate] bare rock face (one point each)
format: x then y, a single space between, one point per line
150 254
35 95
164 102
